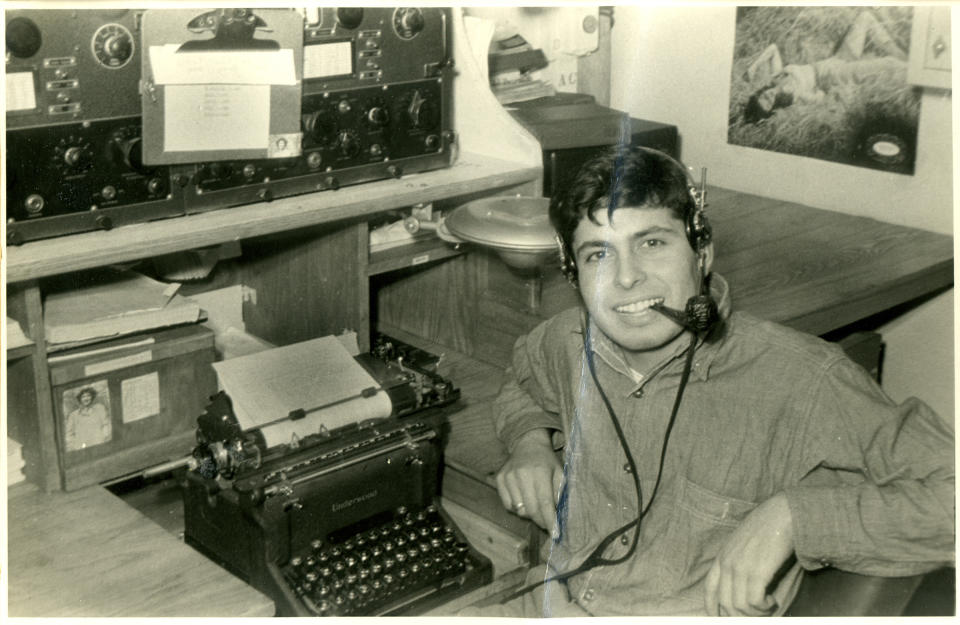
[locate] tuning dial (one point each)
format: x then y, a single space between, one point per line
348 143
408 22
319 127
350 17
112 46
129 152
23 37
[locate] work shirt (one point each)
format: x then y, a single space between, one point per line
767 410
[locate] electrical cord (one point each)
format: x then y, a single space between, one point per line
595 558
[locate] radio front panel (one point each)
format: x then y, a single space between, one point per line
349 137
69 65
82 176
375 104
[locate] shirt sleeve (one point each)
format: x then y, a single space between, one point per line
529 399
879 496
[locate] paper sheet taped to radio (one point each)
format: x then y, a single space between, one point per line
269 385
221 84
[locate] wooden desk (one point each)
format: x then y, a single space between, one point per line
87 553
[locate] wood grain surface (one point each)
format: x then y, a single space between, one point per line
87 553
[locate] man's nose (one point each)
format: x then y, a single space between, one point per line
629 272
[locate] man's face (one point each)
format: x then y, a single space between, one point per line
624 267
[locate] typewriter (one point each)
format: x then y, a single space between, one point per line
341 523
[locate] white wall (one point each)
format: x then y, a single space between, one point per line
673 64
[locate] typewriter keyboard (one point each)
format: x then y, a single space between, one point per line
379 567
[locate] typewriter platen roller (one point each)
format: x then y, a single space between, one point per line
342 523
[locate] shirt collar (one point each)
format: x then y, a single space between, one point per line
707 347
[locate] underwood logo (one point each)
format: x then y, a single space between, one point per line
354 501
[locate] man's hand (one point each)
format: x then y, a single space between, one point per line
530 481
744 569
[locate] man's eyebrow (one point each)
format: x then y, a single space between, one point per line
654 230
636 235
594 243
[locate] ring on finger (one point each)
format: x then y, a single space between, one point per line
518 506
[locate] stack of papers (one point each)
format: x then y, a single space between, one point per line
15 462
111 302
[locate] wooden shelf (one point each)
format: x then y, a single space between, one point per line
410 255
13 353
471 173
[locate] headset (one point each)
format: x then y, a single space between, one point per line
700 312
699 317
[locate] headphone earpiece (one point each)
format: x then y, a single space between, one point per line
568 266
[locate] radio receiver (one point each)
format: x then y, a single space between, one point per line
376 104
73 125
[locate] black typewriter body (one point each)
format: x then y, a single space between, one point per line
346 523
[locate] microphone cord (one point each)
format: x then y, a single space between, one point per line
595 558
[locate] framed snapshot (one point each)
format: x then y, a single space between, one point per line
826 82
86 410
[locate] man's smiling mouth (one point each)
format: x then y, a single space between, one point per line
638 306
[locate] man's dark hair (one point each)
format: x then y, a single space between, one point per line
634 177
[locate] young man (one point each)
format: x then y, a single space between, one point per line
760 452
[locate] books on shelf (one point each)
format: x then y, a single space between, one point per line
112 302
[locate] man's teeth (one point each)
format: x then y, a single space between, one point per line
639 306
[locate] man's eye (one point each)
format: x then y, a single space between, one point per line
653 243
597 256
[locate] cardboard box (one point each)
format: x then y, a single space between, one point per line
130 403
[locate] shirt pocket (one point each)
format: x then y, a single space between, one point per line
703 521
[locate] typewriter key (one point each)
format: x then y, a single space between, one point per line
376 569
295 562
316 543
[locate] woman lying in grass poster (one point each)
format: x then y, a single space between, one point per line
825 82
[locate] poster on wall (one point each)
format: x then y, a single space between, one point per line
826 82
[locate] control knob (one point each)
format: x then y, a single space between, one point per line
118 47
23 37
74 156
350 17
349 144
378 116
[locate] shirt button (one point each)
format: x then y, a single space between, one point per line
638 393
626 467
588 596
